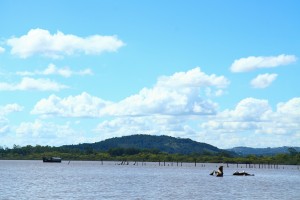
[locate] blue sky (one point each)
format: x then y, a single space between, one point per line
224 73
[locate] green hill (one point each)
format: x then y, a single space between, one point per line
162 143
244 151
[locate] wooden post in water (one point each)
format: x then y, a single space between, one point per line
195 162
164 163
237 165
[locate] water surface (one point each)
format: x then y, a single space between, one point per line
108 180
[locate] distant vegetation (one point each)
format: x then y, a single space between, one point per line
140 148
244 151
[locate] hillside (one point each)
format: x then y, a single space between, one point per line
243 151
162 143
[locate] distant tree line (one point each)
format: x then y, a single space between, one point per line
134 154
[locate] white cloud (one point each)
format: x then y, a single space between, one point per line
32 84
83 105
263 80
290 108
252 62
178 94
53 70
9 108
192 78
4 111
2 50
46 133
254 123
151 125
41 42
39 128
4 126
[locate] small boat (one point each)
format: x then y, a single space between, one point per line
52 159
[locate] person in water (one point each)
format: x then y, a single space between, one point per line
218 173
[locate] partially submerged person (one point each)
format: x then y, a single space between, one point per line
218 173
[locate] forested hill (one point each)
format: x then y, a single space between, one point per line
162 143
244 151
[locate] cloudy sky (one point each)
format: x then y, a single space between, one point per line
220 72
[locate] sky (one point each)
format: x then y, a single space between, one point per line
220 72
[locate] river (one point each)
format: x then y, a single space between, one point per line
110 180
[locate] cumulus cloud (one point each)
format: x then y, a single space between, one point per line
32 84
192 78
45 129
46 133
251 63
4 111
83 105
53 70
178 94
9 108
290 108
263 80
254 123
42 42
2 50
151 125
4 126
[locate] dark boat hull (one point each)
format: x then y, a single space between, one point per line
52 159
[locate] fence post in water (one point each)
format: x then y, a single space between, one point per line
164 163
177 163
237 165
195 162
